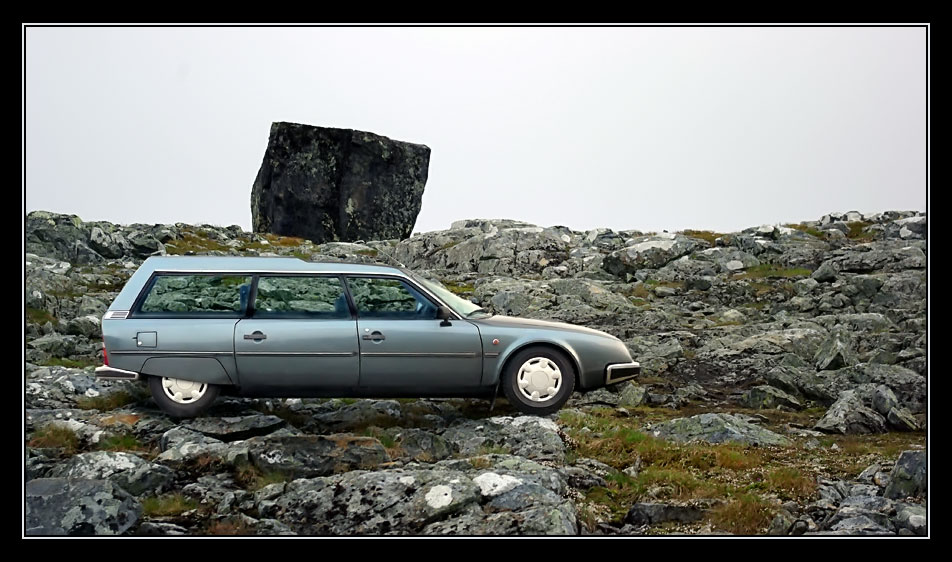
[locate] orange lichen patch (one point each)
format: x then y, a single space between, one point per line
278 240
344 440
117 419
230 527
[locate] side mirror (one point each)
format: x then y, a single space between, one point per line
444 314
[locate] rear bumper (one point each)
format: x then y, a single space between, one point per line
621 372
111 373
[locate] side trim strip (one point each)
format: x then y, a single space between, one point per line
156 352
461 354
491 355
299 353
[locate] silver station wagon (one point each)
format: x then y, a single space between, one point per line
197 326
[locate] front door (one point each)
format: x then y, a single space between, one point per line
403 346
301 335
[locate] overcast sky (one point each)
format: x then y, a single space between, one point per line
627 128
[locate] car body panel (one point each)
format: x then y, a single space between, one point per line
305 357
419 352
174 337
591 351
309 353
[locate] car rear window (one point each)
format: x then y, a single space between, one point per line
197 294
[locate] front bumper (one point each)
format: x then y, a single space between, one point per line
111 373
621 372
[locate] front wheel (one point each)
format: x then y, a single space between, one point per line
538 381
180 398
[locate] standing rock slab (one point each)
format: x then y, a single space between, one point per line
57 506
849 415
909 477
717 428
328 184
764 396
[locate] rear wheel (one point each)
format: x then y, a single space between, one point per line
181 398
538 380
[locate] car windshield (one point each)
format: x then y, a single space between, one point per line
460 305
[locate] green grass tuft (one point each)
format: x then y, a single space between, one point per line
55 436
39 316
858 231
706 235
121 442
166 505
105 402
70 363
808 229
195 244
745 514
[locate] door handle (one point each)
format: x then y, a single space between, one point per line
256 335
375 336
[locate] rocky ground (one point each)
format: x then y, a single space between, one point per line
784 392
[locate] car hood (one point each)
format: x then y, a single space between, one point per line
514 322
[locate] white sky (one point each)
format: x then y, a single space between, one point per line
627 128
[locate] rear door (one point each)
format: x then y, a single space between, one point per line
301 335
403 346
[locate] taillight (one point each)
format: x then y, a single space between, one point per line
105 356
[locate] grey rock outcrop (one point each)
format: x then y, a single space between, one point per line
303 456
57 506
909 477
128 471
717 428
327 184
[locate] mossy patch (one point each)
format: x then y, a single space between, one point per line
121 442
747 480
232 526
463 289
857 231
252 478
494 450
706 235
55 436
167 505
81 363
39 316
106 402
743 514
807 229
194 244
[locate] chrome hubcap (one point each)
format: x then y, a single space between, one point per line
183 392
539 379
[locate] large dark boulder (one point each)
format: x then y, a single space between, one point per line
328 184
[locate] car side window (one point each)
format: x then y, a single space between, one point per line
172 295
300 297
389 298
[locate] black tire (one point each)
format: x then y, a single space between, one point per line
510 384
177 410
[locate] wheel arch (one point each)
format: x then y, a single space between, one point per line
199 369
564 350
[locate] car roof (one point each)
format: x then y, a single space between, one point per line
222 264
